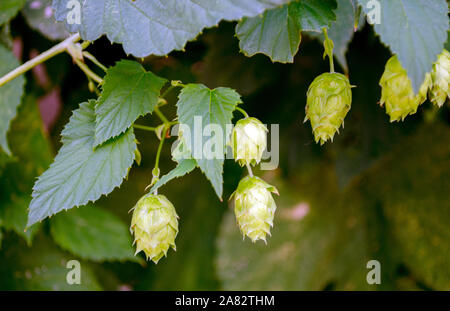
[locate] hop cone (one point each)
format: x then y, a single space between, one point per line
397 93
329 100
254 207
440 76
155 226
249 140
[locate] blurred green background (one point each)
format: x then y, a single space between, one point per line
379 191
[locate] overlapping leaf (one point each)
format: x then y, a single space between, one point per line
277 32
9 9
32 155
39 17
147 27
80 173
93 233
415 30
10 95
128 93
197 103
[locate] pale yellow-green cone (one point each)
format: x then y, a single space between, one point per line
155 226
329 98
397 93
248 141
440 76
254 207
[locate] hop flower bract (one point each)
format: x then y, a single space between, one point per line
155 226
254 207
249 140
440 76
329 98
397 93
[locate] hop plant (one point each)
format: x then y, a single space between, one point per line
155 226
248 141
440 76
329 98
397 93
254 207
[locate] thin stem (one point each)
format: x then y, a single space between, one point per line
94 60
88 71
328 45
57 49
242 111
249 169
161 115
145 128
161 143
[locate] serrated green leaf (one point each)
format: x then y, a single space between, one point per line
41 267
128 93
277 32
184 167
9 9
37 15
80 174
93 234
147 27
32 154
10 95
415 30
213 107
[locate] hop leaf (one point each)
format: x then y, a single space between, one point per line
254 207
329 100
249 140
440 76
397 93
155 226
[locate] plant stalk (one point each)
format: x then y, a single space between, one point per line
57 49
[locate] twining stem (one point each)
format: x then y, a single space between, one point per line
57 49
161 143
242 111
145 128
249 169
89 73
94 60
161 115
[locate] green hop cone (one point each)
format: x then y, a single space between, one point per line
248 141
329 98
397 93
254 207
440 76
155 226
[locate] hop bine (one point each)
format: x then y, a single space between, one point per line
254 207
329 98
397 93
155 226
440 76
248 141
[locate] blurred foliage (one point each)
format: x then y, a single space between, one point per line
378 192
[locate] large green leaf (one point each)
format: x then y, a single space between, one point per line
415 30
147 27
79 173
210 107
128 93
94 234
277 32
10 95
42 267
32 155
9 9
